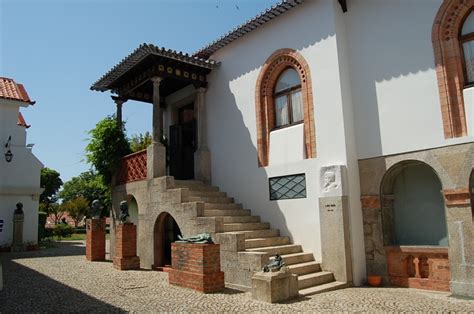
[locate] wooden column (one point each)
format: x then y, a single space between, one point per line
119 101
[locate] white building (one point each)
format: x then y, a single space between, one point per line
346 125
19 169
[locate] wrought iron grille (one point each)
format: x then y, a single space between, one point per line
287 187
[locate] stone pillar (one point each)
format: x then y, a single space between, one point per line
119 102
334 221
17 245
461 241
274 286
95 239
196 266
156 152
202 157
126 247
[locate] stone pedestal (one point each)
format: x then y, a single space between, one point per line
17 245
156 160
196 266
126 247
202 165
95 239
274 286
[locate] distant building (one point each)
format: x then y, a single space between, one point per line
343 129
20 170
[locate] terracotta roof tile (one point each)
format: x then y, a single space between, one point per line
22 122
9 89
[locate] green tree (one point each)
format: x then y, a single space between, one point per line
140 141
77 208
55 211
51 183
88 185
107 145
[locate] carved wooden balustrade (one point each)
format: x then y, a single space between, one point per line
133 167
418 267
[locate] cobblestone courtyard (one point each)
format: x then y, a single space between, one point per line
60 280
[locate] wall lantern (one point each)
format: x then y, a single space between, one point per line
8 154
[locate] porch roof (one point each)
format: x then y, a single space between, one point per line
154 61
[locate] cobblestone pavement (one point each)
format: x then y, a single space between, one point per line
61 280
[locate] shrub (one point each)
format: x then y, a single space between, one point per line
42 233
63 231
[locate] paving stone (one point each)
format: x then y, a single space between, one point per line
61 280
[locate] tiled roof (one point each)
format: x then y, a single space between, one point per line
143 51
247 27
22 122
9 89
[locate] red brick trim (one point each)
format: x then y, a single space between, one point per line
271 70
449 64
457 197
370 202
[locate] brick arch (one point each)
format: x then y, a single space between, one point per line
264 102
449 64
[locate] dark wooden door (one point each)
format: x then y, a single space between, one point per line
182 143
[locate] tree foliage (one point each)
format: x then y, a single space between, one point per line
77 208
107 145
51 183
54 210
140 141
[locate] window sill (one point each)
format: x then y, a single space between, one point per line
287 126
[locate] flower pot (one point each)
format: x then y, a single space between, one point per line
374 281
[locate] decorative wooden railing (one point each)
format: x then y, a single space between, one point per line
422 267
132 168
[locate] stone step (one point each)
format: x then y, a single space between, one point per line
213 200
323 288
314 279
296 258
222 206
279 249
226 212
263 242
207 193
231 219
265 233
243 226
186 183
198 188
305 268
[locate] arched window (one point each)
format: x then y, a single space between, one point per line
467 42
288 99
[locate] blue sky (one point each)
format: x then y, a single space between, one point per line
58 48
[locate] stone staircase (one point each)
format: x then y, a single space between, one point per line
247 243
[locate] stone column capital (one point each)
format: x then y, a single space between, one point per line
119 100
201 90
156 80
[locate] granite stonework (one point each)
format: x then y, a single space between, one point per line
275 286
95 239
454 167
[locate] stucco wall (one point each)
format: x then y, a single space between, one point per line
393 77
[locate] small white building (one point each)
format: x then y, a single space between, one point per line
20 170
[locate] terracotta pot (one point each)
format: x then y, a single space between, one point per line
374 281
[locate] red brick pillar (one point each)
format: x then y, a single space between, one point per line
196 266
126 247
95 239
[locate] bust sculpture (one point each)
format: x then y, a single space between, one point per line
19 209
203 238
124 215
274 265
330 181
95 209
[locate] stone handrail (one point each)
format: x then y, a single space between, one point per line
132 167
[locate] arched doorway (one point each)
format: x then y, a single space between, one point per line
165 232
133 212
414 227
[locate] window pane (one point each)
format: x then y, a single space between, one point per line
297 106
289 78
468 48
281 111
468 26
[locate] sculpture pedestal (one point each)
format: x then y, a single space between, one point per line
274 286
196 266
17 245
95 239
126 247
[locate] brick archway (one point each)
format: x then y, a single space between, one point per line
264 102
449 64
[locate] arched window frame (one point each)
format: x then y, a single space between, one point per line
288 92
449 59
462 40
264 101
